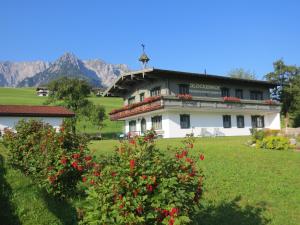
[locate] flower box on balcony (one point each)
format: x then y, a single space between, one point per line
185 96
231 99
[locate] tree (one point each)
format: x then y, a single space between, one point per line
287 91
73 93
242 74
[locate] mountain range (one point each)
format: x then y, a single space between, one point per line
38 73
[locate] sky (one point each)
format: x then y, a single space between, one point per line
185 35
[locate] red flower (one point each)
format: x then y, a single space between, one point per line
120 197
52 179
79 168
113 174
144 177
84 179
96 173
139 209
76 156
201 157
132 164
165 212
171 221
92 182
132 141
184 153
149 187
189 160
74 164
135 192
88 158
63 161
174 211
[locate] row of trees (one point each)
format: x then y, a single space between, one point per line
73 94
287 91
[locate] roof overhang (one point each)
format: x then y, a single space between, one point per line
125 82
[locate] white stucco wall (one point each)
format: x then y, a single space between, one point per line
10 122
207 123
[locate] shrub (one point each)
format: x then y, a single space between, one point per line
140 185
259 135
273 142
54 160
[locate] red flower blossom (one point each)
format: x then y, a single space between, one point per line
120 197
113 174
88 158
201 157
139 209
189 160
171 221
144 177
132 141
84 179
63 160
135 193
184 153
132 164
149 187
79 168
52 179
165 212
174 211
92 182
96 173
74 164
76 156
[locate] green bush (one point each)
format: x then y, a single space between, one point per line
140 185
260 134
274 143
55 160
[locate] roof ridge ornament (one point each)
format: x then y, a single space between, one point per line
144 58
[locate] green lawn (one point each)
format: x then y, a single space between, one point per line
243 185
27 96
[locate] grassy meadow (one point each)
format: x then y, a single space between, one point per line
243 185
27 96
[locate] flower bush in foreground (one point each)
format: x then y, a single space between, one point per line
55 161
140 185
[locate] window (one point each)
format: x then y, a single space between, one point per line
256 95
227 121
239 93
240 121
131 100
225 92
142 97
184 89
155 91
156 122
258 121
132 126
185 121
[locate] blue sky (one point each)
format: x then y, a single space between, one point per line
179 35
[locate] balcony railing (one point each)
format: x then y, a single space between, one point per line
175 102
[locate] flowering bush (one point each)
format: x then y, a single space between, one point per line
185 96
274 143
140 185
54 160
231 99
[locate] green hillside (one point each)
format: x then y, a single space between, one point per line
27 96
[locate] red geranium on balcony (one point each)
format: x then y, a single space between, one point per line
270 102
231 99
185 96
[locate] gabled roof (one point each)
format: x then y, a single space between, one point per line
138 76
35 111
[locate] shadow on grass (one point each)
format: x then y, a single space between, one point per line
230 213
7 209
62 209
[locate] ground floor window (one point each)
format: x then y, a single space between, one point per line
185 121
240 121
156 122
227 121
132 125
143 125
258 121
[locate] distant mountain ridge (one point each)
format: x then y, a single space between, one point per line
36 73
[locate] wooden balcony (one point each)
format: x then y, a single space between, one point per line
195 104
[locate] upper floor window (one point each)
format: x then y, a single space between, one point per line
256 95
239 93
184 89
132 125
156 122
257 121
225 92
142 97
227 121
185 121
240 121
131 100
155 91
